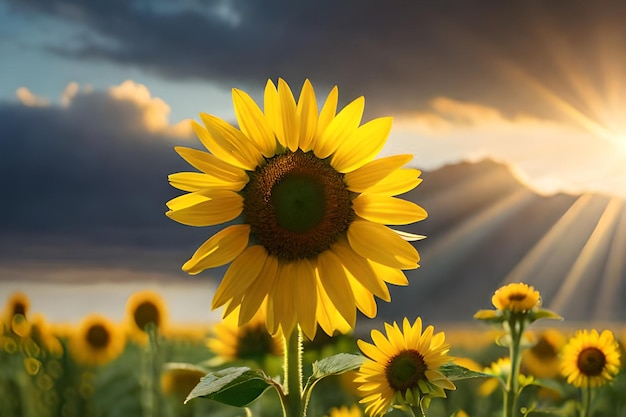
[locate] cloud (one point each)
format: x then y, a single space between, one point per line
89 170
547 155
398 54
27 98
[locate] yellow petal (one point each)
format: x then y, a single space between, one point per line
258 290
340 128
378 243
281 299
387 210
194 181
233 141
218 207
218 147
253 123
329 319
271 108
398 182
361 269
289 128
241 273
371 173
333 278
327 114
186 200
306 302
383 344
390 274
306 113
210 164
364 299
362 146
219 249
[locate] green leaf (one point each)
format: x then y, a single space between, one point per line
543 313
233 386
336 364
455 372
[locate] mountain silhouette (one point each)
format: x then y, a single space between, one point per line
486 229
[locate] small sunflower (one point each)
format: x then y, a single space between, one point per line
590 359
307 208
145 308
17 304
251 341
345 411
402 367
542 358
97 341
516 297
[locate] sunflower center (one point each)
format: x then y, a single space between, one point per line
405 370
297 205
254 342
98 336
544 349
19 308
591 361
517 297
146 313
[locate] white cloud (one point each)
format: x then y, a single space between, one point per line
547 155
155 111
27 98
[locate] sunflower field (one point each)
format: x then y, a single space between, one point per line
147 366
312 236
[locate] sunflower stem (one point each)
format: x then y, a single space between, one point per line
516 328
293 374
585 409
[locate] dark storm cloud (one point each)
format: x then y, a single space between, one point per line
86 174
397 53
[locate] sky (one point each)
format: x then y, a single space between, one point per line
94 95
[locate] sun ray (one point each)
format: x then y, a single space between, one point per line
527 269
610 292
460 242
580 278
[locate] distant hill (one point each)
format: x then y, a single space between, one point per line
485 229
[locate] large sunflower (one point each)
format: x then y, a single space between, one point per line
307 208
96 341
402 366
590 359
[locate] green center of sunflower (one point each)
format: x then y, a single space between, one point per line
591 361
98 336
297 205
405 370
146 313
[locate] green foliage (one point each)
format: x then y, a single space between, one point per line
456 372
238 386
336 364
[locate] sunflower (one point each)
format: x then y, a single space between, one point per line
17 304
307 209
516 297
542 359
252 341
144 308
97 341
590 359
402 366
345 411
